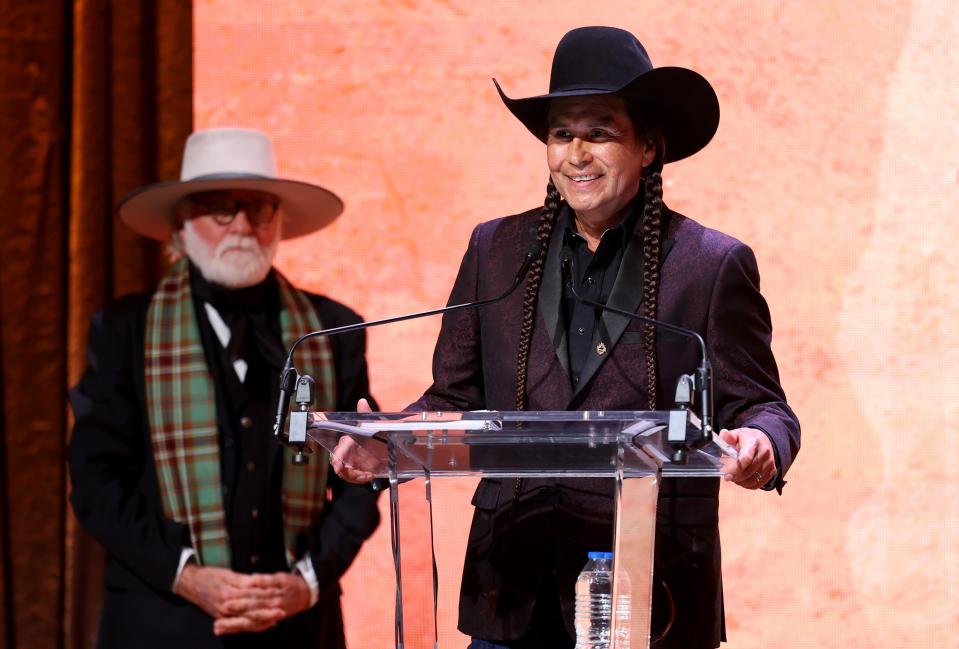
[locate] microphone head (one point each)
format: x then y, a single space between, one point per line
532 254
566 265
534 249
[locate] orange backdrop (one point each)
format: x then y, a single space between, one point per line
837 159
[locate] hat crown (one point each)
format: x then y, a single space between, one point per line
600 58
225 152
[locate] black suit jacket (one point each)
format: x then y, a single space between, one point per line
115 494
710 284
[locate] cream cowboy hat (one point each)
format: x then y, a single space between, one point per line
229 158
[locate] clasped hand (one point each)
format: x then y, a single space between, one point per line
243 603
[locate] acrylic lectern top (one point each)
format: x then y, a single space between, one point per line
509 444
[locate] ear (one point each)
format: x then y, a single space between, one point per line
649 153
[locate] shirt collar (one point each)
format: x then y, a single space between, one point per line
621 232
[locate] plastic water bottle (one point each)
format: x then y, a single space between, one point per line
623 609
594 595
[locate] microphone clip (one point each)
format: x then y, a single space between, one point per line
679 416
300 419
303 389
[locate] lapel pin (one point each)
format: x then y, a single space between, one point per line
601 348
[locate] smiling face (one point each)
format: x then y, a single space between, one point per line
596 157
236 254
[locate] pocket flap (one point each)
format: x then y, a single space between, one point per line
486 496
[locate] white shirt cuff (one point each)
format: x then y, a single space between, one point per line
305 568
185 555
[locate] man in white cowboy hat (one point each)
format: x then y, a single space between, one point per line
213 538
609 123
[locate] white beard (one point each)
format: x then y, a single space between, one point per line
237 261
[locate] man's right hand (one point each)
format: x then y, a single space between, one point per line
350 460
223 593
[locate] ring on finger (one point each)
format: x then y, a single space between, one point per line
758 476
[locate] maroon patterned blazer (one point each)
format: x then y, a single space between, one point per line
532 544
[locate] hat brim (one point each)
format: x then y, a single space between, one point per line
305 208
678 101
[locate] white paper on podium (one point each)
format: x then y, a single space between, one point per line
371 428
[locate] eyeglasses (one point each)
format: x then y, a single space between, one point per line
259 211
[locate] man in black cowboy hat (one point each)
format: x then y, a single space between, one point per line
610 122
214 539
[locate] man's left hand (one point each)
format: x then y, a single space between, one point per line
288 595
757 461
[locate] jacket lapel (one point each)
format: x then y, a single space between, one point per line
550 295
667 245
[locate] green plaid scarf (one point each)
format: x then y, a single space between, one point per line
181 403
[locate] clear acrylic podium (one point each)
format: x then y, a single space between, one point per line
630 447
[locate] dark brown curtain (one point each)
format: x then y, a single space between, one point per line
95 100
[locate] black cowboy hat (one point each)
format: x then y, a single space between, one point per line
607 60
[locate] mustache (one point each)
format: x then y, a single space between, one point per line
234 241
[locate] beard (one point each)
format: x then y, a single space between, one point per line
236 261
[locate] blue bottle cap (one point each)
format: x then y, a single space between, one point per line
596 555
609 555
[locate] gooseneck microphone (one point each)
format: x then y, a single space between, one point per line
303 385
701 382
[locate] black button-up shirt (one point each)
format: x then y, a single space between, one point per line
594 273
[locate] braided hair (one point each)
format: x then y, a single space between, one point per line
652 250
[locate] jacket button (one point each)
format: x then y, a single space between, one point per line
251 466
246 422
254 559
255 514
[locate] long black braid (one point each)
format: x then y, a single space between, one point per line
652 250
